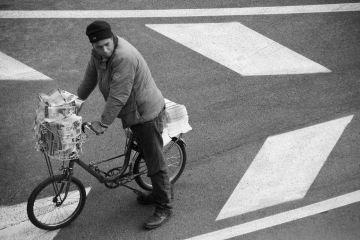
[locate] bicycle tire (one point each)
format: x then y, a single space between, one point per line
43 207
175 160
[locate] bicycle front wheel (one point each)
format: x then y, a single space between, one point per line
174 157
47 207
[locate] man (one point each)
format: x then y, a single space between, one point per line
131 94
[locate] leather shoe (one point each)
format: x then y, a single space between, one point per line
157 218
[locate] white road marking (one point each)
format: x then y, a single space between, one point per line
26 231
239 48
12 69
221 234
284 168
14 223
155 13
281 218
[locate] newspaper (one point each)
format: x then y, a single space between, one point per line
57 127
177 118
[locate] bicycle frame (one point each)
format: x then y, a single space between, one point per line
93 170
92 167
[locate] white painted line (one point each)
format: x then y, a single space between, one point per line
12 69
154 13
239 48
26 231
281 218
284 168
14 223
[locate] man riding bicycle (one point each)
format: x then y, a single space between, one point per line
131 94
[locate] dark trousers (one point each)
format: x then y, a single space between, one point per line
149 138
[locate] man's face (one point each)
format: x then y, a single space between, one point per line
104 47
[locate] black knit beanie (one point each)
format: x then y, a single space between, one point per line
98 30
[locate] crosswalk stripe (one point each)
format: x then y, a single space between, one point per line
342 7
285 168
239 48
15 224
281 218
12 69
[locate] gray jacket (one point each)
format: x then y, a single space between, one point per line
126 83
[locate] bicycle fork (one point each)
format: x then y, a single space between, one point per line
68 172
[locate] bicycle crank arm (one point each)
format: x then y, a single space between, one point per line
137 192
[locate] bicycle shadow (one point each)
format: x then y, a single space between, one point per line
108 213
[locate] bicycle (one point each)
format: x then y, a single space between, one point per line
68 195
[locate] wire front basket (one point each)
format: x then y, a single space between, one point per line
62 147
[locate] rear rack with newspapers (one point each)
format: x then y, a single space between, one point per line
177 119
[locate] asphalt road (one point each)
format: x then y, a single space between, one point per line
231 115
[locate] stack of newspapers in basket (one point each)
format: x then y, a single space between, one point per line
57 126
177 118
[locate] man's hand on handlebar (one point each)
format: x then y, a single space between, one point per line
97 128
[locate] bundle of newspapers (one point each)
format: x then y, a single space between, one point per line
57 127
177 118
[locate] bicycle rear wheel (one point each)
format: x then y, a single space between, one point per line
175 159
46 207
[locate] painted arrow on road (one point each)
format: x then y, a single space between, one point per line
284 168
14 223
